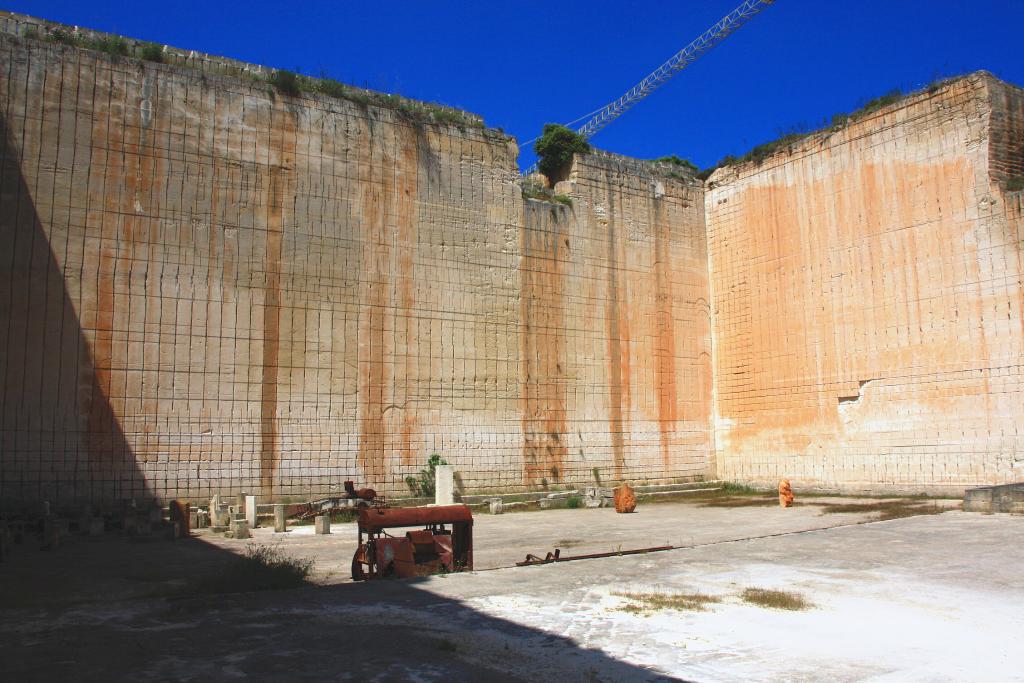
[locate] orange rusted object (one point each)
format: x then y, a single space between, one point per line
625 498
432 549
785 493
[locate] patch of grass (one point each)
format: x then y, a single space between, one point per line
263 567
344 516
112 45
59 35
734 489
568 542
773 599
675 160
1015 183
285 82
886 509
151 52
641 602
331 88
573 502
532 191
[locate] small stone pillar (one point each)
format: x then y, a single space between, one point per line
322 524
444 484
280 520
250 511
240 528
215 510
497 506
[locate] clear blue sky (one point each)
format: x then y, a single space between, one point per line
521 64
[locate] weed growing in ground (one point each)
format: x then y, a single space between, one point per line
262 567
423 484
773 599
734 489
647 602
573 502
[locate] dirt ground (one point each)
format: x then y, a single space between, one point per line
886 600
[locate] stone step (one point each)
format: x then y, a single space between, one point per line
1004 498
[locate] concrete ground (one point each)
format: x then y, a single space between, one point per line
937 597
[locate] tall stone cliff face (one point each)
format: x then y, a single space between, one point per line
867 290
617 336
213 288
208 287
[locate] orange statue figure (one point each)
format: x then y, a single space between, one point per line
785 493
625 498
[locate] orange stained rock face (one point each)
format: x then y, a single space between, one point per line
868 303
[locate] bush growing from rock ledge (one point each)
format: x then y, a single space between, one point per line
555 147
285 82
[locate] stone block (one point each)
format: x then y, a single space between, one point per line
250 511
497 506
280 520
322 524
444 485
239 529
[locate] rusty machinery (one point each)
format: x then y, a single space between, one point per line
327 506
433 548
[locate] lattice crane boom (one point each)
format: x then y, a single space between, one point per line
679 61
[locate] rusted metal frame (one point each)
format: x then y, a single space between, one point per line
556 556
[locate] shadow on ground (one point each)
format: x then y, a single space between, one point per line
111 608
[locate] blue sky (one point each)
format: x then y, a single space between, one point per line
521 64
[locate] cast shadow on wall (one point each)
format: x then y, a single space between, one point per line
60 438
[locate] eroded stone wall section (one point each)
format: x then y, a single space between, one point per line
867 289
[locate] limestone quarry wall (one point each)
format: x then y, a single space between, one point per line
867 289
207 287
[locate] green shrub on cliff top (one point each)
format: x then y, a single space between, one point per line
152 52
285 82
555 147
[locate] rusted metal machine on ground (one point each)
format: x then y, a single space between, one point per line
430 549
327 506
